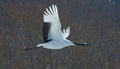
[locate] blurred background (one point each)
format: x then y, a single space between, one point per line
94 21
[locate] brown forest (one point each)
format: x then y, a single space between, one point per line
94 21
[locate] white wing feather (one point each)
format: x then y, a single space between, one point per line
66 32
51 16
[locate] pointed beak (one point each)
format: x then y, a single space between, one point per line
85 43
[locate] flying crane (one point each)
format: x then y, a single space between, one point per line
54 37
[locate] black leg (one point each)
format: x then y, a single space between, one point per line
27 49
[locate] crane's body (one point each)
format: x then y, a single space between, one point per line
56 44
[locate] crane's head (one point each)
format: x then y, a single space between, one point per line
83 44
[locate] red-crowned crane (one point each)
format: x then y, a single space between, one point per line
53 37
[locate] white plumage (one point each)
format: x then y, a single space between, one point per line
58 37
53 37
51 16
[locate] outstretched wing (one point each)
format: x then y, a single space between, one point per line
66 32
51 17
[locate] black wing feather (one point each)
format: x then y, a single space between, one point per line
46 28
